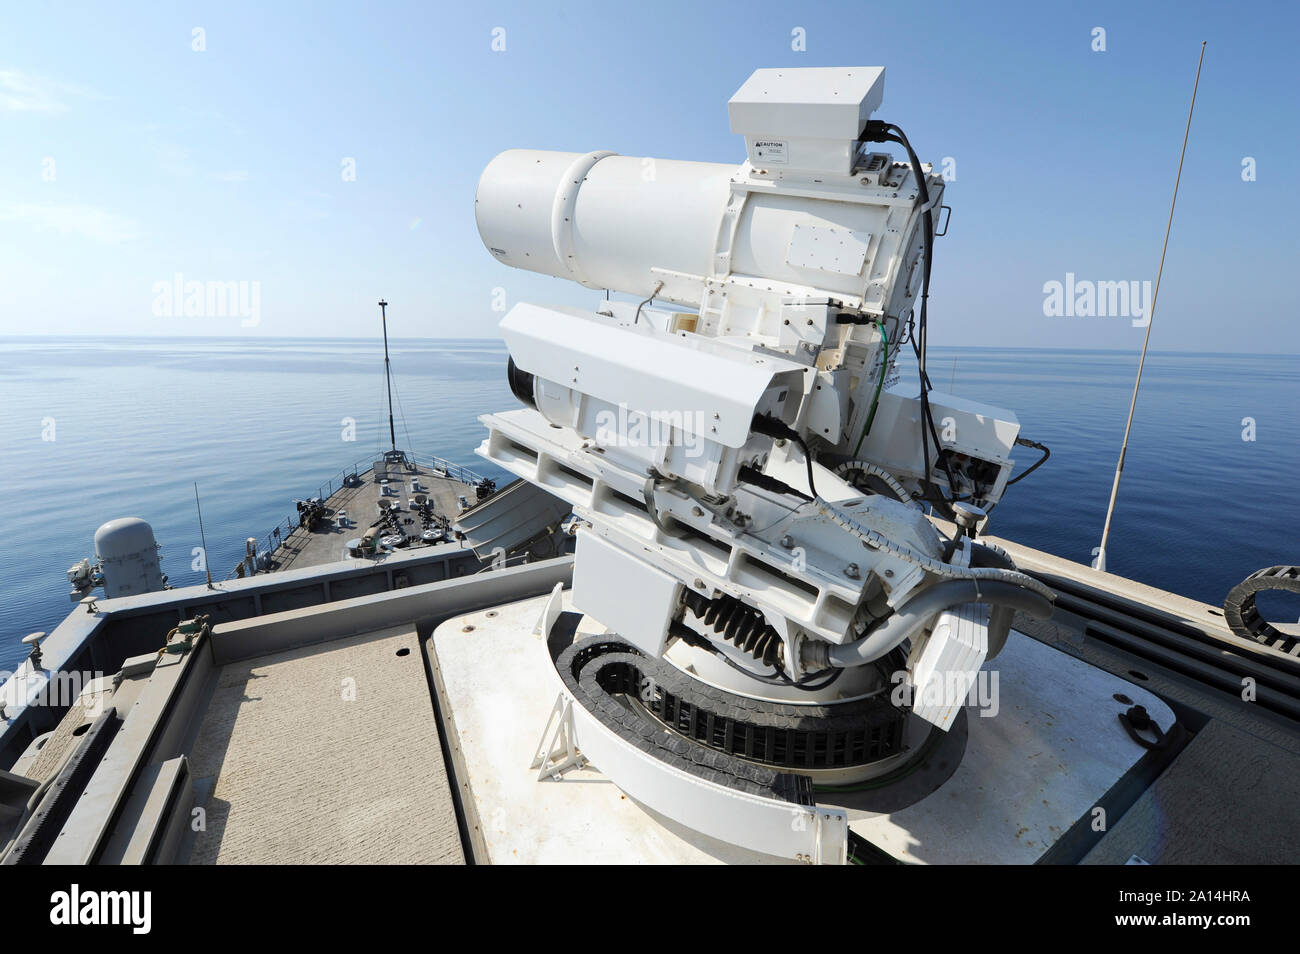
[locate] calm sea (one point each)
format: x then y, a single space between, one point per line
99 428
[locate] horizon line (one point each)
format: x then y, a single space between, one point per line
497 341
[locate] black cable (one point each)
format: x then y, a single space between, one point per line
807 685
907 335
755 477
779 678
877 131
1025 442
923 193
773 427
808 460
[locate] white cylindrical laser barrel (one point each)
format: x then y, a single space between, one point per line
599 218
625 223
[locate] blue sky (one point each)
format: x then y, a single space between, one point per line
226 164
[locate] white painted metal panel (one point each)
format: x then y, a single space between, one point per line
1042 757
809 102
649 372
828 249
626 594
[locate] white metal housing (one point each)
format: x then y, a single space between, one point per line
806 119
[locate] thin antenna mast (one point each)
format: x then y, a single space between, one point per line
202 537
383 319
1123 451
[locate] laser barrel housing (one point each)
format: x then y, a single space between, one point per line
811 226
812 248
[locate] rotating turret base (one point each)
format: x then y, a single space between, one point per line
1002 786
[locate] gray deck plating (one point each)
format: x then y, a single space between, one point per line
1230 798
305 548
325 754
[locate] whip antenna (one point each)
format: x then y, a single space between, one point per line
388 377
1151 318
202 536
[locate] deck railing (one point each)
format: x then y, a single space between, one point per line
452 470
283 528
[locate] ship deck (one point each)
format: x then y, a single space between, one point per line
324 754
328 542
398 726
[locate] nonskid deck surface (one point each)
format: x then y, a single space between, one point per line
325 754
304 548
